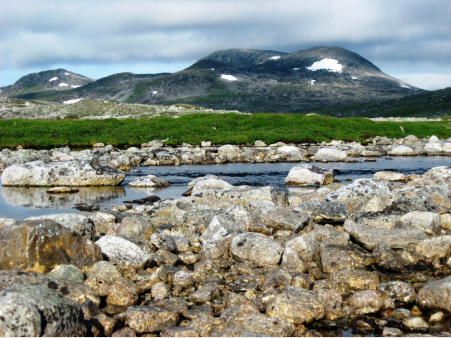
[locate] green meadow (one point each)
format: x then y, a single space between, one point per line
217 128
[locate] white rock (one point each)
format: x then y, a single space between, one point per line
309 175
401 151
390 176
149 181
433 139
330 155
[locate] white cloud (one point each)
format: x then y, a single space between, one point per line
429 81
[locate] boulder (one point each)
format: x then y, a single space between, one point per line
148 181
37 310
363 195
40 246
370 237
209 182
309 175
67 173
438 247
80 224
427 221
330 155
436 295
256 248
335 257
401 292
390 176
296 305
123 253
324 212
401 151
367 301
290 153
68 272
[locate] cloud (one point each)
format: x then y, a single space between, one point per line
109 32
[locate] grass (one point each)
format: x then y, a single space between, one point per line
217 128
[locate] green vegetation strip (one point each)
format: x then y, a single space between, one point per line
217 128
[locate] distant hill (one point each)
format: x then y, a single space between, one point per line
248 80
48 81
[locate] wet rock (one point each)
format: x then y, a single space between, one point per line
80 224
330 155
325 212
39 246
296 305
395 238
363 195
36 310
390 176
429 222
309 175
149 319
68 272
67 173
436 295
149 181
122 252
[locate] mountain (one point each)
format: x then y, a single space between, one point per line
251 81
436 103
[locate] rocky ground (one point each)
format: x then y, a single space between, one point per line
373 256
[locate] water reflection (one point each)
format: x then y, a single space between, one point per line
38 198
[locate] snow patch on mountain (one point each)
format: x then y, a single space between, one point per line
53 79
228 77
330 65
275 57
72 101
62 84
75 86
402 85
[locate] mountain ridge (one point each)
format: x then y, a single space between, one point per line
248 80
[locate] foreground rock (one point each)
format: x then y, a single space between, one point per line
66 173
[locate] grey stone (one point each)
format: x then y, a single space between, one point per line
257 248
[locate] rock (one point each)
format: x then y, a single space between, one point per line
411 139
416 197
402 292
415 324
179 331
209 182
395 238
68 173
325 212
125 332
36 310
68 272
309 175
296 305
149 181
204 294
355 280
100 275
243 195
290 153
278 218
332 302
80 224
436 295
363 195
62 190
123 253
366 301
438 247
136 225
401 151
260 143
204 144
387 258
122 292
392 332
390 176
305 246
40 246
160 291
330 155
148 319
69 289
437 317
98 145
183 279
257 248
429 222
335 258
433 139
229 152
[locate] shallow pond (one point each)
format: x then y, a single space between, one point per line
20 203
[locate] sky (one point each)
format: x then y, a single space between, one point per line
407 39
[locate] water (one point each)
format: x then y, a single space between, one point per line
20 203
